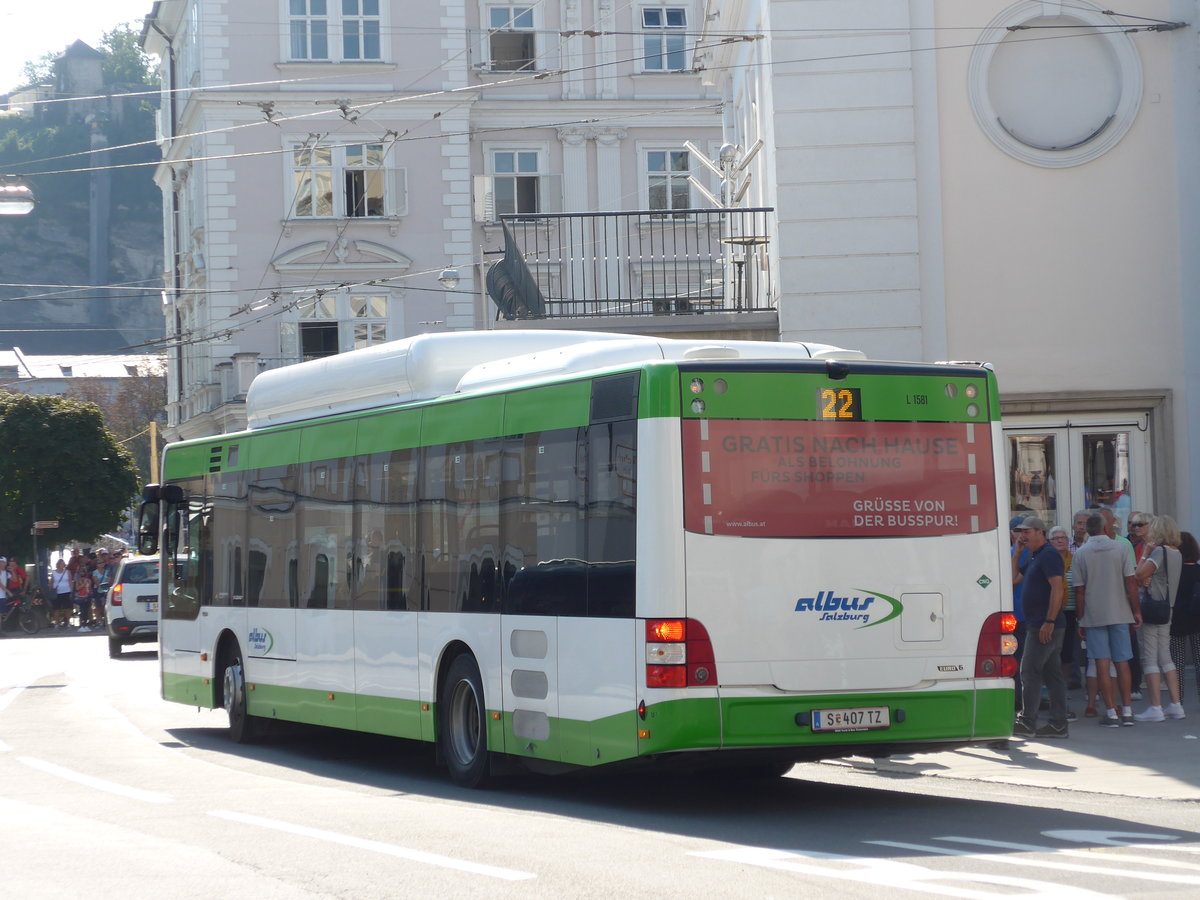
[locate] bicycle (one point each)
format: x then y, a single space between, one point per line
23 610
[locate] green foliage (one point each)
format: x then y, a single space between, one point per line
129 409
56 454
125 66
38 71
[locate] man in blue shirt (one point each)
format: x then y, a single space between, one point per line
1043 591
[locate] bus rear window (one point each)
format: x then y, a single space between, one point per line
776 478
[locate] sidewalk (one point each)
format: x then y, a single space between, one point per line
1151 760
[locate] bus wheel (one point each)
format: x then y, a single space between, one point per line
242 725
462 722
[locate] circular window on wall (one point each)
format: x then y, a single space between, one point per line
1054 90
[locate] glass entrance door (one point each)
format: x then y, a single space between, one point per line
1053 471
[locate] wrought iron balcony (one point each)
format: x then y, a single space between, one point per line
645 263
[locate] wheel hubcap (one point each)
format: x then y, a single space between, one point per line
465 730
232 690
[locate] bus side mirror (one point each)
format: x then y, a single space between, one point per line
147 537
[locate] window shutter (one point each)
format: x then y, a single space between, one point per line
399 192
485 198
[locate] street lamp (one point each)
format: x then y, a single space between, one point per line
16 197
449 278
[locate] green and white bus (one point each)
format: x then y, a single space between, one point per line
575 550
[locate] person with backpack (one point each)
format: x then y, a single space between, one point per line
1185 616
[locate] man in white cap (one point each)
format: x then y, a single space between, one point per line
1045 625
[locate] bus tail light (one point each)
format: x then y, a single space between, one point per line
995 654
114 596
679 654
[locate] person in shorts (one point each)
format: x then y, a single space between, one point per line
1106 602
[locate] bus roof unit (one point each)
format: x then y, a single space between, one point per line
434 365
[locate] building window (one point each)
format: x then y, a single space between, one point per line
664 39
369 324
309 29
357 171
511 44
360 29
667 183
333 324
311 22
517 183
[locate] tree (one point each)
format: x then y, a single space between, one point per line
38 71
56 455
129 409
124 64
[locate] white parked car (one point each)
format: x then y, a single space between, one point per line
132 603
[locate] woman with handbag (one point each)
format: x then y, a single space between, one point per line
1158 576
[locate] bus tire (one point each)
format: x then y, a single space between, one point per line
462 722
243 727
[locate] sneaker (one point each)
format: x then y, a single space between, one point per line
1152 714
1135 695
1174 711
1050 730
1127 720
1107 721
1071 717
1090 712
83 629
1022 729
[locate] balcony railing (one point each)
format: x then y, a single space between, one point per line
645 263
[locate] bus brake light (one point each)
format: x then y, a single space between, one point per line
679 653
995 654
665 630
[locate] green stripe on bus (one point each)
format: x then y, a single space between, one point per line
548 408
658 394
393 430
183 460
464 420
190 689
794 395
270 448
329 440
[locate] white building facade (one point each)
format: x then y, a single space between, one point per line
1006 181
325 161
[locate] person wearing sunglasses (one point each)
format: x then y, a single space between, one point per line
1138 523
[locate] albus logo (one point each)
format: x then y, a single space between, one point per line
261 641
868 607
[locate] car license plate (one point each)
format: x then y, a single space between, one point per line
151 606
866 718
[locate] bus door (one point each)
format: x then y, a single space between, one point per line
186 584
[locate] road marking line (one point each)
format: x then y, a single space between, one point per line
9 696
433 859
98 783
4 748
1034 863
895 874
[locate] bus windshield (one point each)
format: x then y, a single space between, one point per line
800 479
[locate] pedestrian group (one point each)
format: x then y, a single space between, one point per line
1104 612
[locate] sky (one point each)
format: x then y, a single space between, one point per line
29 30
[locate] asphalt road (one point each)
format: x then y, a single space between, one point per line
106 791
